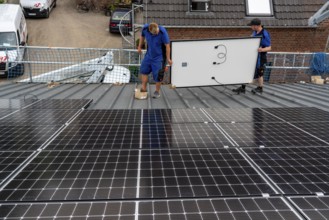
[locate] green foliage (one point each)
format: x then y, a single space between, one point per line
134 71
113 5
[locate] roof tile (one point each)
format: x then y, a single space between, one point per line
231 13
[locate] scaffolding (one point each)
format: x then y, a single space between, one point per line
289 67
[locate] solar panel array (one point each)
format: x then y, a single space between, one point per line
26 126
60 161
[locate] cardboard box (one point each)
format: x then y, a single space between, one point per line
319 81
313 78
52 84
139 94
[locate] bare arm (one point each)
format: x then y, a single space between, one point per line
141 42
168 54
265 49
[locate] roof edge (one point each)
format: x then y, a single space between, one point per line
235 27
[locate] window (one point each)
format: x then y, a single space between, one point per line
121 15
8 39
259 7
200 5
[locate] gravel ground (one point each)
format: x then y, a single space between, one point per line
66 27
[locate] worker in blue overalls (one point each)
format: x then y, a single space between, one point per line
158 53
265 46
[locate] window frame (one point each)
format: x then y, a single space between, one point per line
271 14
206 2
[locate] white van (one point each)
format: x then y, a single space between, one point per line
13 34
37 8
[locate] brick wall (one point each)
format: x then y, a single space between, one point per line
283 40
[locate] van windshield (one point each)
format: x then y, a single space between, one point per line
7 39
118 15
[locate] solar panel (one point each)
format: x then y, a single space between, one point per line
15 103
269 135
60 104
75 175
131 116
187 135
313 207
98 137
136 116
299 114
228 208
40 116
198 173
157 116
295 170
240 115
9 161
25 137
318 129
69 210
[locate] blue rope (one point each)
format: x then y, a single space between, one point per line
319 64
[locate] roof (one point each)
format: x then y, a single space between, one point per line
110 96
231 13
8 13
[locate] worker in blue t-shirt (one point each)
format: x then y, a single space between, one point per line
158 52
265 46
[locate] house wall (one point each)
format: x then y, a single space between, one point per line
283 39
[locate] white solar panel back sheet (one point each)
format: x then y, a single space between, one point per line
229 61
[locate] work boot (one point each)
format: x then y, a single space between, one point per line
239 90
258 89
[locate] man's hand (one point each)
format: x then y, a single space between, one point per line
260 49
139 49
169 62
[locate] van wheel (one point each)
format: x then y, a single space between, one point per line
17 71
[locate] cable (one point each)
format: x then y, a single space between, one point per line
221 55
225 87
31 94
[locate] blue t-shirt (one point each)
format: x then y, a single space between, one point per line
266 38
265 42
155 43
